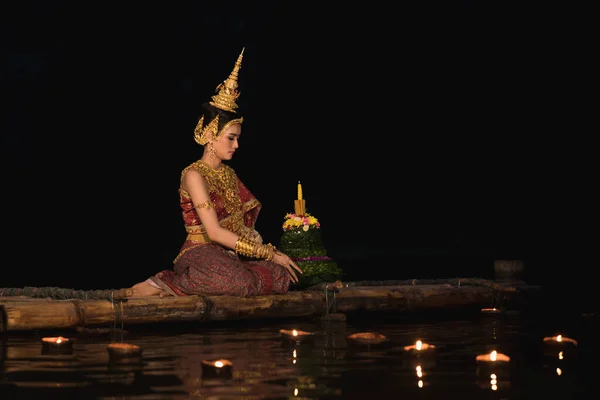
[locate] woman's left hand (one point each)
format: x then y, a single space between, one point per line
285 261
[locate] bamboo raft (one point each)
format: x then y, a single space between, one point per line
27 313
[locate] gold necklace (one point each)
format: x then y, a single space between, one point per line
224 183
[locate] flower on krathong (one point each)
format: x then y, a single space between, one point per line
304 222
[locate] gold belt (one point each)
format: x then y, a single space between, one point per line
196 234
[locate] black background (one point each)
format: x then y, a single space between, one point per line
430 137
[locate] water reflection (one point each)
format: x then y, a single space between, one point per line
327 365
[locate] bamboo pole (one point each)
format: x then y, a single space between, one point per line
21 313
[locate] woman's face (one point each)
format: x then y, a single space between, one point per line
228 142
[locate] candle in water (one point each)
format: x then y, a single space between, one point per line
560 339
56 345
295 334
492 310
222 363
55 340
221 368
118 351
493 356
419 346
368 337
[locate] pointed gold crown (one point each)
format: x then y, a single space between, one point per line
228 90
224 100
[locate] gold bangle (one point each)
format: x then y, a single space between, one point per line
265 251
250 248
245 247
205 204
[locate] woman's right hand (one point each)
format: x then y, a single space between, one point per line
285 261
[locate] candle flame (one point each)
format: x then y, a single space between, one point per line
59 340
419 345
219 364
559 338
295 332
493 355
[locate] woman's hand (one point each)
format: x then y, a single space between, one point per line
285 261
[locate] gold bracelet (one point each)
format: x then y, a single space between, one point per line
266 251
205 204
245 247
250 248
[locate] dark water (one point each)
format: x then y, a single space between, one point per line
327 365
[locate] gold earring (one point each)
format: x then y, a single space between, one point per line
212 153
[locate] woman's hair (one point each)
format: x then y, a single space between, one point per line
210 112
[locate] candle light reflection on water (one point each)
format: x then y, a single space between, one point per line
262 360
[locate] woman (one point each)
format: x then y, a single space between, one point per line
223 254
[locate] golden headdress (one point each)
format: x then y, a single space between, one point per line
224 100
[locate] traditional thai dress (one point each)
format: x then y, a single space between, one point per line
206 267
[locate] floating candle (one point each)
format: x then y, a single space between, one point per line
493 356
217 368
492 310
419 346
559 339
119 351
56 345
219 364
368 337
295 334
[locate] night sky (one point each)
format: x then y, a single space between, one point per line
416 129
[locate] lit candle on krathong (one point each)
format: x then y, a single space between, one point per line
122 351
560 339
368 338
493 357
57 345
300 203
419 347
217 368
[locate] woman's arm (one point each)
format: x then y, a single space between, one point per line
195 184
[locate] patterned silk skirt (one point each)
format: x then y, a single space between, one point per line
210 269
